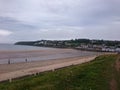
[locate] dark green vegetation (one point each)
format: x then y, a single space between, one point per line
70 43
95 75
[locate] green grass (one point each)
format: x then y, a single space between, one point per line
95 75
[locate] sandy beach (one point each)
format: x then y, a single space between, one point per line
38 55
40 61
17 70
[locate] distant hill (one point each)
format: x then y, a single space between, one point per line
25 43
69 43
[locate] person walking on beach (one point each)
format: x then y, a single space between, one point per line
26 60
8 61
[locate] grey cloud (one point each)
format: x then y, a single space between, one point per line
8 23
60 19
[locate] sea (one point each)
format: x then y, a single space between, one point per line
12 47
21 53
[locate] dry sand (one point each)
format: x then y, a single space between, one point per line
17 70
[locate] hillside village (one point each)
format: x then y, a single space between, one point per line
80 44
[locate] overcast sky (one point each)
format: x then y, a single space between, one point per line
59 19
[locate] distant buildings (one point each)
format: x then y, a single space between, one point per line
102 48
82 44
48 43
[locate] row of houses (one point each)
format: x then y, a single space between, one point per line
111 49
82 46
99 48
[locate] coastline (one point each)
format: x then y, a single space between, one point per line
38 55
12 71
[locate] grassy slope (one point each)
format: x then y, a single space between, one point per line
95 75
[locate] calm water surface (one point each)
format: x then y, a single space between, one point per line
12 47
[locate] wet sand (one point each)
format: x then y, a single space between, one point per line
17 70
37 55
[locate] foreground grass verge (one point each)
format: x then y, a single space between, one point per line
95 75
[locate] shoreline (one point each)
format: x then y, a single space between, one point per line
13 71
38 55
